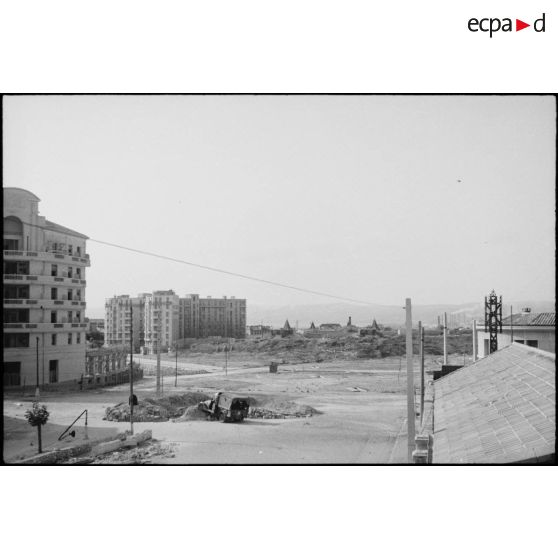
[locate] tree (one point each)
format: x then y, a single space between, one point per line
37 416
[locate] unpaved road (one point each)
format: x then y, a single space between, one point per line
365 426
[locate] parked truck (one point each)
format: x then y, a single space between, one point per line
225 407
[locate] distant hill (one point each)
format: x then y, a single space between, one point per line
458 314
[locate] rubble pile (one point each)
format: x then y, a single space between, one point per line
283 410
156 410
192 413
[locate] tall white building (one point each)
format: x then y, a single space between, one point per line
160 320
124 320
44 295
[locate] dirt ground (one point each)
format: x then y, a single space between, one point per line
362 416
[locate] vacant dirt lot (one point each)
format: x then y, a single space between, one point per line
362 416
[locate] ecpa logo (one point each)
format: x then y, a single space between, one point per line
492 25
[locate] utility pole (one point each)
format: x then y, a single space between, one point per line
226 359
445 338
176 365
475 352
410 382
37 382
421 358
131 370
511 322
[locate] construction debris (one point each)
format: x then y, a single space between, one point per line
156 410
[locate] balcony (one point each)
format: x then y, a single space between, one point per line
44 279
52 256
44 303
41 327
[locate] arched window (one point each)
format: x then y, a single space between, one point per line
13 234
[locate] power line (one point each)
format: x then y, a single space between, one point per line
223 271
232 273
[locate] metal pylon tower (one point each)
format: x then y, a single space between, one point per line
493 319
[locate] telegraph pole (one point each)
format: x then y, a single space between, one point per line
410 382
475 351
176 365
445 338
131 370
421 357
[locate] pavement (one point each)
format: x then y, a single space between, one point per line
361 418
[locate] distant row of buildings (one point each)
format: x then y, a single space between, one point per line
323 330
161 318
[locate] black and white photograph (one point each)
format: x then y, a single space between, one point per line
279 279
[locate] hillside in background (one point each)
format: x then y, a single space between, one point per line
362 315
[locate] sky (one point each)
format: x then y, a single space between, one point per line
374 198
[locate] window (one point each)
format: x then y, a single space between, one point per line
78 317
13 340
53 371
53 339
16 268
78 337
12 373
53 293
70 249
69 294
53 317
11 244
78 250
69 338
78 294
70 317
78 272
532 343
54 270
16 316
16 291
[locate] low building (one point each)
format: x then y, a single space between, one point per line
501 409
108 366
260 331
533 329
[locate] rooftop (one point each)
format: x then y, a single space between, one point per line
64 230
530 319
501 409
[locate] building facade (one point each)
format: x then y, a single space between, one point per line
212 317
160 320
44 295
528 328
124 321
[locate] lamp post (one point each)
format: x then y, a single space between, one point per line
37 380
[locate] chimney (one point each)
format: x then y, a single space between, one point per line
349 321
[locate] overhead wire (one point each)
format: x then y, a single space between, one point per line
224 271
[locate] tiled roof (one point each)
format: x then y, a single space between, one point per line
500 409
541 319
64 230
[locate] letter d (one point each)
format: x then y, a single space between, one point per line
535 25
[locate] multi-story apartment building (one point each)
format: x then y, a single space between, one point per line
124 316
160 320
44 295
208 317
